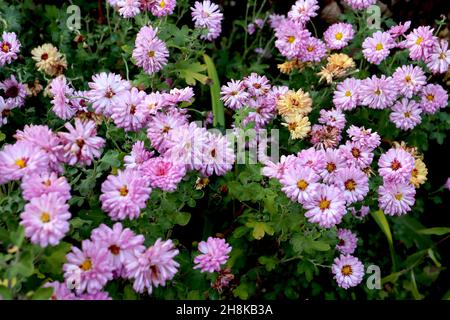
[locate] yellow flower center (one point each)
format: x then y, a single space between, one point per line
408 78
350 185
162 4
21 163
355 152
415 173
442 56
339 36
86 265
5 47
419 41
151 54
407 114
123 191
47 183
395 165
377 92
347 270
45 217
324 204
379 47
310 48
302 184
399 196
331 167
348 93
430 97
291 39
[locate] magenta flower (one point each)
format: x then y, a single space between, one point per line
356 154
303 10
149 106
124 113
38 184
233 94
9 48
175 96
276 170
60 291
163 173
21 159
214 253
364 137
400 29
160 8
333 162
217 156
326 206
353 182
121 243
5 111
313 50
396 165
433 98
377 47
99 295
410 79
361 213
347 241
447 184
346 96
14 92
439 59
123 196
378 93
160 125
88 269
138 156
406 114
360 4
299 183
61 101
106 91
207 15
420 43
129 8
348 271
334 118
256 85
312 158
396 199
150 52
81 144
291 38
338 35
152 267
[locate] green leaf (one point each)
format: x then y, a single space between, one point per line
269 262
382 222
5 293
181 218
2 136
42 294
214 86
54 258
191 71
129 293
438 231
319 245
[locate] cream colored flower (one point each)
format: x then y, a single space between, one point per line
49 60
298 125
34 88
292 103
419 173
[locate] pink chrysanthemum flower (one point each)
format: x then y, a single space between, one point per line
439 58
124 114
338 35
364 137
433 98
185 145
347 241
420 43
360 4
218 155
150 52
353 182
81 145
326 207
123 196
150 105
406 114
311 158
14 92
303 10
356 154
99 295
333 162
207 15
313 50
400 29
152 267
129 8
361 213
137 157
21 159
163 173
160 8
9 48
45 219
5 111
377 47
325 136
447 184
121 243
291 37
378 93
233 94
175 96
396 199
348 271
334 118
88 269
275 20
346 96
276 170
45 139
299 183
106 91
410 79
256 85
396 165
160 125
60 291
214 253
38 184
61 101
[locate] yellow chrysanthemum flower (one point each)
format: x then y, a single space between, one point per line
49 60
289 66
293 102
338 66
419 173
298 125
